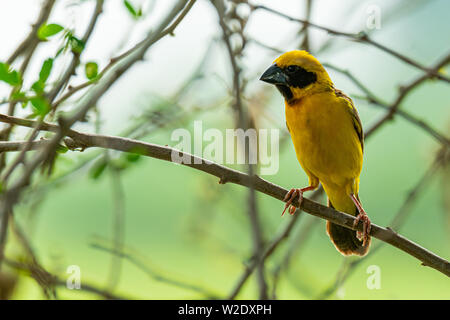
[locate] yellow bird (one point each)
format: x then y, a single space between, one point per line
328 139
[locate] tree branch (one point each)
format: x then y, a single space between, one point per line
227 175
243 121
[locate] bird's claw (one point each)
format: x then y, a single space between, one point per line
364 235
289 198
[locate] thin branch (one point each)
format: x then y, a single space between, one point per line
305 44
27 47
51 280
8 146
299 240
361 37
118 226
405 90
115 60
243 121
125 254
227 175
76 56
32 40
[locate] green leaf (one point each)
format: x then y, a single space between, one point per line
76 44
45 70
130 8
91 70
97 170
40 105
48 30
38 87
132 157
61 149
10 76
19 95
60 50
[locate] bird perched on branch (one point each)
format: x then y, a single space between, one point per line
328 139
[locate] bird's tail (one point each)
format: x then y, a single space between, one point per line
345 240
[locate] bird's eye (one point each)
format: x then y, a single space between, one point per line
292 68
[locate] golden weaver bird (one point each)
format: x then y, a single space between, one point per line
328 140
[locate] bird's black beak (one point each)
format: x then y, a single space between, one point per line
274 75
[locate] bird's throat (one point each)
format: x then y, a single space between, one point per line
285 91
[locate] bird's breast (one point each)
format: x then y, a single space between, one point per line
324 138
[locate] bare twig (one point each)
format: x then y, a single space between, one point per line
405 90
305 44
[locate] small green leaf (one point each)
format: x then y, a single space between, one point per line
45 70
97 170
20 96
40 105
10 76
91 70
133 157
61 149
38 87
130 8
48 30
76 44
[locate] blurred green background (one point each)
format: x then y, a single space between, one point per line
186 227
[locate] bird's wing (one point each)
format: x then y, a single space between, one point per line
355 116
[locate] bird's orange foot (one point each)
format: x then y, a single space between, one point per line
364 236
289 198
362 216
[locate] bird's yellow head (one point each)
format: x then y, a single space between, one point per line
297 74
